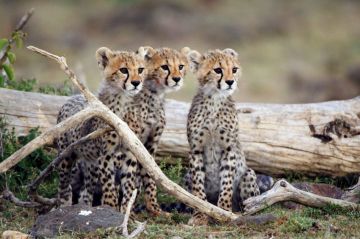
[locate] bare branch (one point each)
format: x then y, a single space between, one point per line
8 195
124 225
138 230
284 191
47 137
53 165
19 27
24 20
42 200
62 62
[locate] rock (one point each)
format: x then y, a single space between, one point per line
76 218
14 235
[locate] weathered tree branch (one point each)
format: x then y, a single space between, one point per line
8 195
47 137
124 225
96 108
55 163
284 191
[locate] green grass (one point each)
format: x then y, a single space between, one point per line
329 222
300 223
305 222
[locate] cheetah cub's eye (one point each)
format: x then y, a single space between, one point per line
140 70
165 67
124 70
218 70
181 67
234 70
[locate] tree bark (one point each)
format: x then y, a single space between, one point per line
320 138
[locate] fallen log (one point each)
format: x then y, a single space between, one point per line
320 138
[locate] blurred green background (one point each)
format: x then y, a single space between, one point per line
291 51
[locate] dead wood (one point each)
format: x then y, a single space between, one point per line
55 163
8 195
284 191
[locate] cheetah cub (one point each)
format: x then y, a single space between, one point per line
166 70
123 73
217 163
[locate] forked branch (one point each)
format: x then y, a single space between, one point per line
284 191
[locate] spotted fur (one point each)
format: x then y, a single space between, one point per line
217 162
123 73
166 70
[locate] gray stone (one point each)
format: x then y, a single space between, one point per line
76 218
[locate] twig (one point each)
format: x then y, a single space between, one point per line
62 62
24 20
8 195
42 200
284 191
53 165
19 27
140 228
124 225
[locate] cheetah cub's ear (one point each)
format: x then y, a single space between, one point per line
185 50
194 58
103 54
147 52
230 52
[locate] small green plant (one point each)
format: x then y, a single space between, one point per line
27 169
65 89
7 61
8 58
174 173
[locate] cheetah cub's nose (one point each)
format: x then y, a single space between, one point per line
135 83
229 82
176 79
